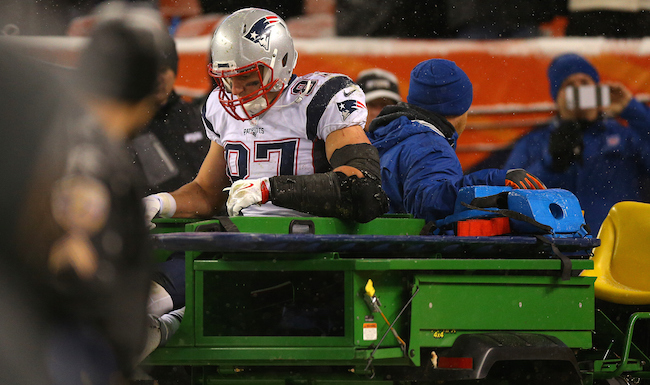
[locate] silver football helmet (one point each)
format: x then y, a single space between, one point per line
251 40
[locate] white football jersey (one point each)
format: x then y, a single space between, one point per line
289 138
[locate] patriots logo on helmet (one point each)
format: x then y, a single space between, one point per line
260 31
347 107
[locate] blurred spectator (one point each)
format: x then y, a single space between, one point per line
609 18
392 18
169 151
284 8
586 150
420 170
34 17
90 265
471 19
46 17
381 88
476 19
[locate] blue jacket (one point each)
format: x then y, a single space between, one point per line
420 171
614 159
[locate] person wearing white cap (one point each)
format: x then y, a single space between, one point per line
381 88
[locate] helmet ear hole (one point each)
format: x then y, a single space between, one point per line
285 59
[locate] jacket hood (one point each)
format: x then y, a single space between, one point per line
393 125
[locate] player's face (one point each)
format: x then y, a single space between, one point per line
577 79
375 106
245 88
461 122
245 84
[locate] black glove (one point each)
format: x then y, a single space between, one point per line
566 145
520 178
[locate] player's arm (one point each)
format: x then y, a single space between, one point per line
352 190
204 196
351 136
201 198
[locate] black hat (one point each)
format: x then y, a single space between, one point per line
378 83
123 55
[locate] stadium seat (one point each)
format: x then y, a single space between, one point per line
622 261
312 25
201 25
555 27
179 8
175 11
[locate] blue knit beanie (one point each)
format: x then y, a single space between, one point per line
566 65
440 86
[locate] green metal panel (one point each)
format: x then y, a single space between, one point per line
388 225
503 303
447 306
334 261
392 290
271 355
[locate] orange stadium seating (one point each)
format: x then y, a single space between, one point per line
312 26
179 8
509 76
201 25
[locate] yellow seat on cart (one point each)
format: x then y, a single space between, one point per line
622 261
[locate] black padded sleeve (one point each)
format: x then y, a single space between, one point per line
362 156
331 194
317 194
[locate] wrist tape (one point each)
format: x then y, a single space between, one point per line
167 204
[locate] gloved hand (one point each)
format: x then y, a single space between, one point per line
566 144
520 178
246 192
162 204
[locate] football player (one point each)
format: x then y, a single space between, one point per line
286 145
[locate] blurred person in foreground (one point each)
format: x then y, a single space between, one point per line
381 88
27 327
90 262
420 170
169 151
588 151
